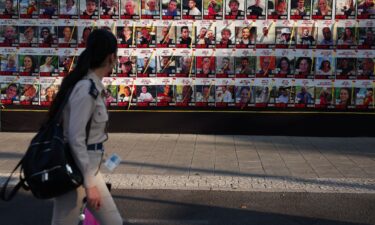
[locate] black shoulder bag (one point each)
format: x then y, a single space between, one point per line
48 169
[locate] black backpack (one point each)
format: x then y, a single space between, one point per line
48 169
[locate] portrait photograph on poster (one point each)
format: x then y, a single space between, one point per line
324 97
366 38
125 37
146 66
9 64
286 37
28 91
83 34
109 9
365 9
9 9
150 9
225 66
205 95
346 68
305 95
284 67
9 88
48 36
49 65
166 36
245 96
166 66
306 37
225 36
322 9
246 37
346 38
325 38
126 93
266 66
68 36
66 64
234 9
284 96
126 66
304 68
185 66
300 10
28 65
185 37
205 66
49 86
266 36
262 96
345 9
28 9
89 9
185 92
344 97
192 9
213 9
206 35
110 92
364 98
130 9
225 93
325 67
9 36
146 36
28 36
68 9
166 95
48 9
245 66
146 95
366 68
171 9
277 9
256 9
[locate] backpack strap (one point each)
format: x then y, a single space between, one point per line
15 189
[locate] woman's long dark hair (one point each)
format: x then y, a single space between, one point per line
100 44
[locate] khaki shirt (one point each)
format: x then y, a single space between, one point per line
79 109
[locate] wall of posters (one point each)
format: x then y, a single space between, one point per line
214 54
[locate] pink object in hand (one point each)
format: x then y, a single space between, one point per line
89 219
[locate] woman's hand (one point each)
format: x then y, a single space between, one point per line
93 197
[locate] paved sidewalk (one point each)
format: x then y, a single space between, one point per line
228 162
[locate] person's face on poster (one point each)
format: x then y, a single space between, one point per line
167 89
192 4
327 34
206 64
266 63
45 33
9 32
368 65
67 32
48 60
145 33
285 37
301 4
30 90
128 68
265 31
11 62
244 63
129 7
344 96
245 95
185 33
284 65
225 35
303 66
11 92
225 63
8 5
172 6
322 5
165 61
90 7
245 33
27 63
127 91
69 3
233 7
85 35
144 89
305 32
206 92
67 63
50 92
29 33
151 5
202 32
210 35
